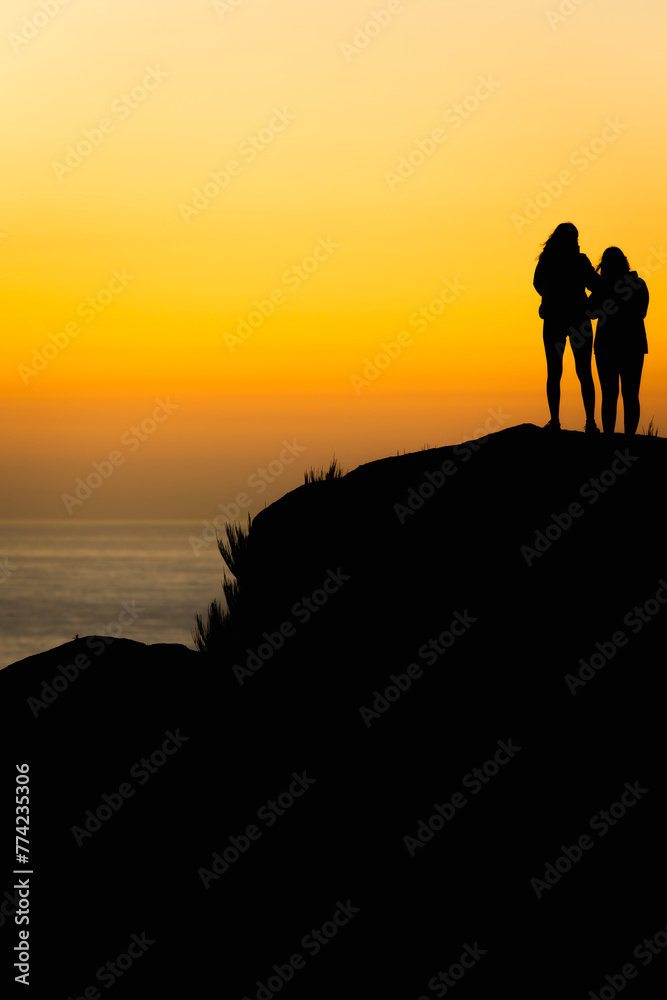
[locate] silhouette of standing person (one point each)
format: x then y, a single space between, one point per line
621 303
562 276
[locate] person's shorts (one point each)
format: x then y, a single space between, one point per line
557 331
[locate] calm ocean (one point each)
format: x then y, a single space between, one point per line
137 579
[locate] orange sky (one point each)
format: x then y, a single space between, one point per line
222 211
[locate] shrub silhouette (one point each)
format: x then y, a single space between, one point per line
214 633
217 631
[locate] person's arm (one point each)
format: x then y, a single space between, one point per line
538 279
591 278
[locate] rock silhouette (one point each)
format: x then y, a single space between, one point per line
430 752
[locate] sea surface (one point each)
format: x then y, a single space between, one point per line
136 579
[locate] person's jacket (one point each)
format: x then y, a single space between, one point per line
620 305
562 282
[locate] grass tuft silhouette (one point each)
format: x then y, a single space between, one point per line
652 430
334 471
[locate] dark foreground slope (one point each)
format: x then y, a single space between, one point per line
433 737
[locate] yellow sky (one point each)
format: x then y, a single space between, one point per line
227 209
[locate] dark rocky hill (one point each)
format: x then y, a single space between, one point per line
433 738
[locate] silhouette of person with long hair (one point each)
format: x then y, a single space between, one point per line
562 276
621 303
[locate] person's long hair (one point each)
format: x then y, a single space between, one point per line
613 264
563 242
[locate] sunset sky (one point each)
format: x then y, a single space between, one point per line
214 215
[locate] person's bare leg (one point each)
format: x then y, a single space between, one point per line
554 354
631 375
608 375
582 363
